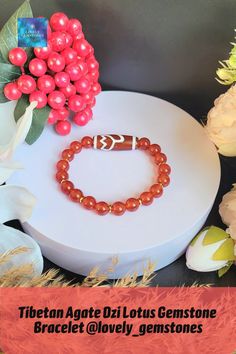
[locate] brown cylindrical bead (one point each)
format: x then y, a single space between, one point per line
114 142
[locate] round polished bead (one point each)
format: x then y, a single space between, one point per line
76 147
156 190
61 176
164 168
132 204
67 186
164 179
75 195
160 158
118 208
102 208
154 148
63 165
143 143
146 198
87 142
89 202
68 154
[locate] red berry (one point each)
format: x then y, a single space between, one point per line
59 21
79 36
92 63
56 62
89 112
11 91
81 46
83 85
74 27
63 113
96 88
74 71
17 56
69 90
49 32
46 84
92 104
81 118
39 97
53 116
56 99
83 66
93 76
68 39
57 41
37 67
63 127
62 79
69 55
88 97
43 53
76 103
26 84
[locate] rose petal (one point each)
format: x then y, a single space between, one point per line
15 203
10 239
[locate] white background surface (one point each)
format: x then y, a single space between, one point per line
78 239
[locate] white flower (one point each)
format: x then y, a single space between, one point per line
210 250
221 123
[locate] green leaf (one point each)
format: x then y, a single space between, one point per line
40 117
8 73
9 32
225 269
213 235
225 252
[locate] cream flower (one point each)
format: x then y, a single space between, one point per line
227 210
221 123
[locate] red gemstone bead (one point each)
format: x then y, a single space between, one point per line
143 143
156 190
63 165
46 84
164 179
76 146
102 208
164 168
61 176
67 186
62 79
56 99
74 27
37 67
118 208
11 91
89 202
132 204
68 154
17 56
160 158
26 84
75 195
63 127
39 97
87 142
146 198
56 62
154 148
43 52
76 103
59 21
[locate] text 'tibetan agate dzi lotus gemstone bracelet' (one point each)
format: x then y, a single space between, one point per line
108 143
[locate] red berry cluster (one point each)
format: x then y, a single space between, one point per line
63 75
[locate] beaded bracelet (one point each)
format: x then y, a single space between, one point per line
108 143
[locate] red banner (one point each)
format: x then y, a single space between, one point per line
118 320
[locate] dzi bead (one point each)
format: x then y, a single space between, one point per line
115 142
